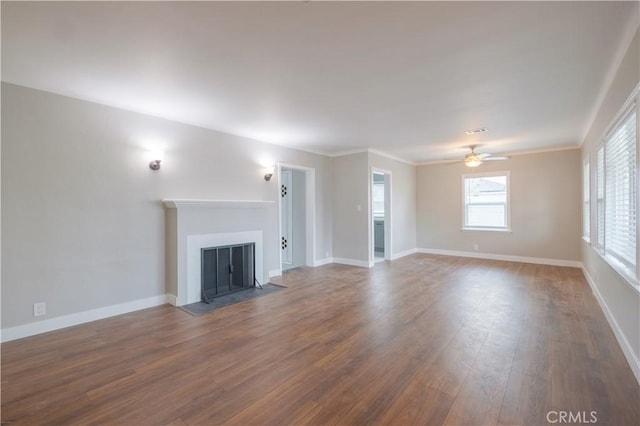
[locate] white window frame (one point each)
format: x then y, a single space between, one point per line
507 227
586 200
629 276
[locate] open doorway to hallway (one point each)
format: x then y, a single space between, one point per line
380 241
296 212
293 218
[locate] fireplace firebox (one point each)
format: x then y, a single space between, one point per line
227 269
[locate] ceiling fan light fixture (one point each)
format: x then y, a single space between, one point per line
472 160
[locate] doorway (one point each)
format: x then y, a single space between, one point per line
296 213
380 229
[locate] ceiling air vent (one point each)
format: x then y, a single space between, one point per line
475 131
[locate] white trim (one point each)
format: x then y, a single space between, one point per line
171 299
506 154
38 327
391 157
348 152
322 262
503 257
485 228
631 357
274 273
353 262
403 254
372 151
177 203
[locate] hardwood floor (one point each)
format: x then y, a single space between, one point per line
422 340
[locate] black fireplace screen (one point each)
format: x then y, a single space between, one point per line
227 269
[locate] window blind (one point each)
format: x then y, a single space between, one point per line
600 197
620 191
586 214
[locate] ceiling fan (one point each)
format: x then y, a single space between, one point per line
474 159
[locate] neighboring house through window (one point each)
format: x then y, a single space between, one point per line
486 201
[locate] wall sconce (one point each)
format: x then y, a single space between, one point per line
157 159
268 173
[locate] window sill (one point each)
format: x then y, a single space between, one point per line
586 240
471 228
620 269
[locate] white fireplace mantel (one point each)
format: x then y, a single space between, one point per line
194 224
178 203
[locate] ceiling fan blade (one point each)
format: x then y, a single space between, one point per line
483 155
496 158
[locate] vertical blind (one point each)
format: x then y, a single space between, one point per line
620 191
586 216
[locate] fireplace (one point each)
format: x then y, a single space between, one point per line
227 269
193 225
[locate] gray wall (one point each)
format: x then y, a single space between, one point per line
403 201
545 207
299 217
352 179
350 190
82 222
622 300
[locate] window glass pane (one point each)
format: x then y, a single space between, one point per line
378 198
486 215
486 201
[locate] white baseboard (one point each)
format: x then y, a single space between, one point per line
42 326
353 262
321 262
403 253
171 299
631 357
504 257
275 273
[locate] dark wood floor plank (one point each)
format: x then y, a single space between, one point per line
424 339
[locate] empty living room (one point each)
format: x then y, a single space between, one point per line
320 213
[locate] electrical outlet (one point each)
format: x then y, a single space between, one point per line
359 207
476 247
39 309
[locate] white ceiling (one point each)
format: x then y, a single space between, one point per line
404 78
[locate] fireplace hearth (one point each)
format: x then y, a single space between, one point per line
227 269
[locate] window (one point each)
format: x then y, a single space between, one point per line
378 198
620 192
486 201
586 219
600 197
616 194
